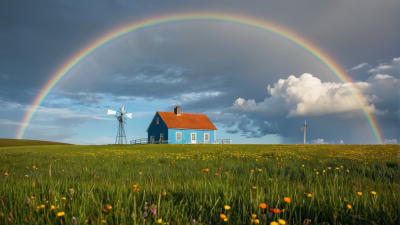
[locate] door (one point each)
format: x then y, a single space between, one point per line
161 138
193 138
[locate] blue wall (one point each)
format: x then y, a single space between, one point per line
156 129
186 135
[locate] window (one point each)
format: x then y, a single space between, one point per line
157 121
161 137
179 136
193 137
206 137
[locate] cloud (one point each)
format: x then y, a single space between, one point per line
83 98
308 96
13 123
360 66
327 107
393 141
195 96
341 142
124 99
380 68
232 131
382 76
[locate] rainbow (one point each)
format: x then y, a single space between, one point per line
324 58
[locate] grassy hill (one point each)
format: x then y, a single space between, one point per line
4 142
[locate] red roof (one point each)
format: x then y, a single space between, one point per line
186 121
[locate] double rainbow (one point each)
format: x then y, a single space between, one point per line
286 34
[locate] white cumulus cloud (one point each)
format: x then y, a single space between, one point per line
308 95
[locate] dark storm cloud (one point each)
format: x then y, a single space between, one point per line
83 98
232 131
43 35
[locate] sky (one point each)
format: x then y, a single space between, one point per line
255 86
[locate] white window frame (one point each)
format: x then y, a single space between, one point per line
176 136
152 139
205 136
157 120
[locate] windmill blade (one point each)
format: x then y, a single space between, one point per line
302 128
122 109
111 112
129 115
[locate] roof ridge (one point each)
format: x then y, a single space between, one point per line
185 113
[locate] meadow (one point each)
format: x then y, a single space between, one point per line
199 184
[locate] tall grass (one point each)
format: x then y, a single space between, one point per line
176 170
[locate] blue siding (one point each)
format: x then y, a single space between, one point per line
156 129
186 135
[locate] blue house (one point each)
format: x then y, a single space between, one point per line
177 128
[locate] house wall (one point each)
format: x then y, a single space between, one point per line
186 135
156 129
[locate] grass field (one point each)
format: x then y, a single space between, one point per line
4 142
348 184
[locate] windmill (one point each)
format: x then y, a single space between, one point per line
304 127
121 117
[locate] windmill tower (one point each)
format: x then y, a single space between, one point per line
304 127
121 115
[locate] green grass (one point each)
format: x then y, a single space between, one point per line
20 142
193 193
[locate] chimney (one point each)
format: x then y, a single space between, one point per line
177 111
